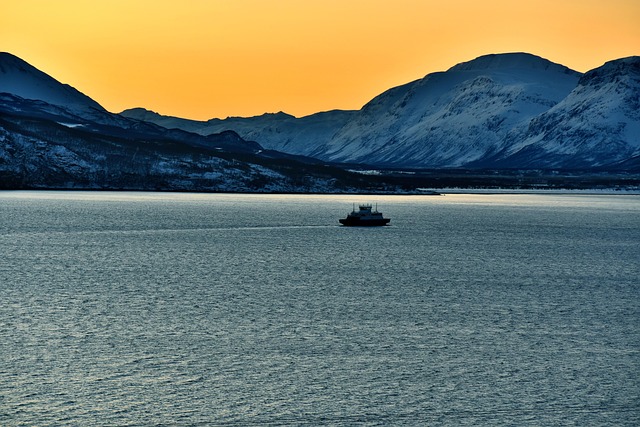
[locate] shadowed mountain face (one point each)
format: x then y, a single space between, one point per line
25 81
480 113
53 136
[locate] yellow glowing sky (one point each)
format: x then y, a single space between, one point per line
217 58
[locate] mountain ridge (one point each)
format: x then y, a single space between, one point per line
20 78
475 114
499 111
54 137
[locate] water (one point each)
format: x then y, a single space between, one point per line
130 309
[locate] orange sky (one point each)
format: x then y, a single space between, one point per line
217 58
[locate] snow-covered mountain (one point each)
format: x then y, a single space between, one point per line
498 111
596 125
41 154
53 136
452 118
28 92
503 110
275 131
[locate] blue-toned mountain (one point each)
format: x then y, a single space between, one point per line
513 110
53 136
596 125
452 118
25 81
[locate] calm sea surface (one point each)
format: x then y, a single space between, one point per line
136 309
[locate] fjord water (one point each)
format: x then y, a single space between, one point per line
192 309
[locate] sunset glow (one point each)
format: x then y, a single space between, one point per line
202 59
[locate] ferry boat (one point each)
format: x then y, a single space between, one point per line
365 216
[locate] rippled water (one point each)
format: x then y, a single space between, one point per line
184 309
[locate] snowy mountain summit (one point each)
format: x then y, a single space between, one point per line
504 61
452 118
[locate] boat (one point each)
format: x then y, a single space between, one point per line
365 216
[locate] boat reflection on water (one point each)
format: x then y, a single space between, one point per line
364 217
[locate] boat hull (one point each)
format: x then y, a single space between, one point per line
356 222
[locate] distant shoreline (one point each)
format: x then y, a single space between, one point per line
436 192
584 191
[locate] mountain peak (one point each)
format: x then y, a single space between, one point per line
19 78
515 60
140 113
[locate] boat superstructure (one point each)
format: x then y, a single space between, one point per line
364 216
